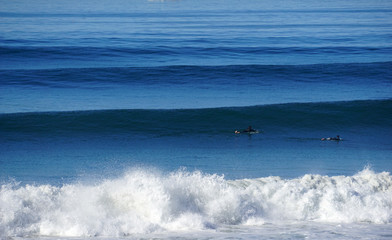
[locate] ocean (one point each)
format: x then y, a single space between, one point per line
118 119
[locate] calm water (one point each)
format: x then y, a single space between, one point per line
117 119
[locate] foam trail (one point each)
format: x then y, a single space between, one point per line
143 202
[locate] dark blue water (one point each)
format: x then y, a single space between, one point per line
101 142
136 90
173 87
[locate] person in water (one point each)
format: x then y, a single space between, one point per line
337 138
249 129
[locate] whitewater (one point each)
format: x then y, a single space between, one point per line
148 202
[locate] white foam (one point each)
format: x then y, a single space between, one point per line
142 202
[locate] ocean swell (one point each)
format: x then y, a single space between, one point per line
144 201
335 116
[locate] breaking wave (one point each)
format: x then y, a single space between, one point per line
144 201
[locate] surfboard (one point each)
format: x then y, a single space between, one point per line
331 139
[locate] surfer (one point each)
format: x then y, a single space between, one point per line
248 130
337 138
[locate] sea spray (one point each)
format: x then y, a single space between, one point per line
142 201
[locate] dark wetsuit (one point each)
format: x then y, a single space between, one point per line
249 130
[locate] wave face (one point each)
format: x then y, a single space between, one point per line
336 116
146 202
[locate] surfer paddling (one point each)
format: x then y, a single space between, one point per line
337 138
249 130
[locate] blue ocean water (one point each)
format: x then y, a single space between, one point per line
117 119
